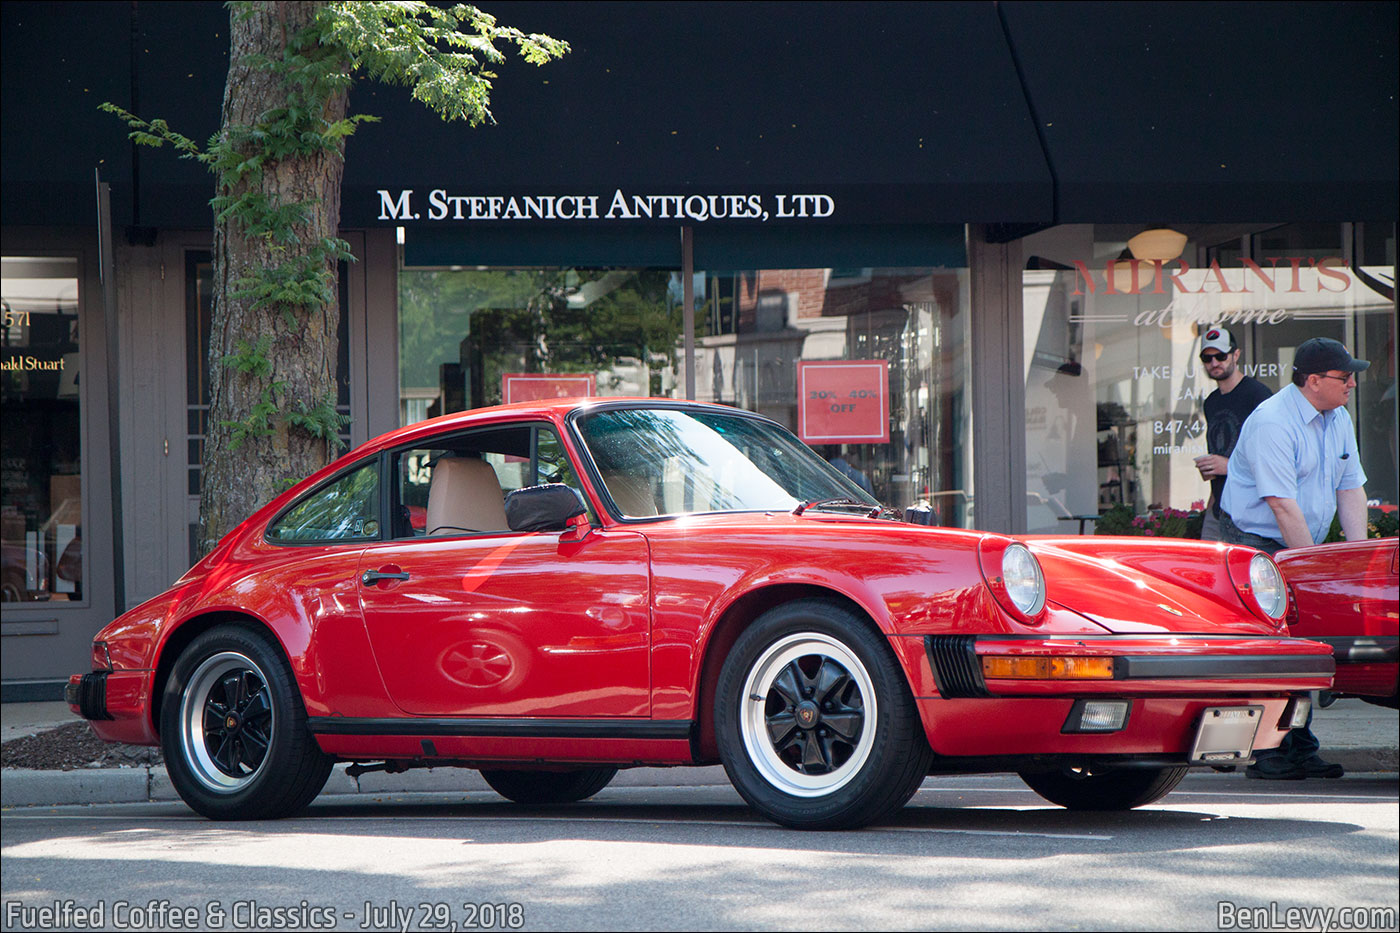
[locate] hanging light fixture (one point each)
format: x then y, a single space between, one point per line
1131 275
1161 244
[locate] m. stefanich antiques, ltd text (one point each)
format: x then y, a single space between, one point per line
699 208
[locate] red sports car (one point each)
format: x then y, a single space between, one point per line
599 584
1348 595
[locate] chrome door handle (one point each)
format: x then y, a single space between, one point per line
371 577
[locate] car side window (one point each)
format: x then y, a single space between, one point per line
458 486
347 509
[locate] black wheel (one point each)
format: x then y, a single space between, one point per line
539 787
233 729
1109 789
815 723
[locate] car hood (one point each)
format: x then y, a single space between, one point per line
1129 586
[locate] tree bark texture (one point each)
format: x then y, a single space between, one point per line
238 478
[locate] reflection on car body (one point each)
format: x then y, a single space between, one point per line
1347 595
551 591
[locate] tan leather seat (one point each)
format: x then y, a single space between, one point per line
633 494
465 496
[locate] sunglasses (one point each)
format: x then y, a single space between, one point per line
1349 377
1214 357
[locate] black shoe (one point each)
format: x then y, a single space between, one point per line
1315 767
1275 768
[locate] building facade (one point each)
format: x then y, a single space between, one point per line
909 232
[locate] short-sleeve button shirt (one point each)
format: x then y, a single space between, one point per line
1289 449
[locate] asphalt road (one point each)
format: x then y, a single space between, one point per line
968 853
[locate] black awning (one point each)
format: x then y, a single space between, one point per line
904 113
1214 112
54 77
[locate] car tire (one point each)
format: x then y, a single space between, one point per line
233 729
545 787
1110 789
814 719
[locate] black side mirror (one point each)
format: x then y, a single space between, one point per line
920 515
543 508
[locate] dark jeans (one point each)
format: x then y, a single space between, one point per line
1230 533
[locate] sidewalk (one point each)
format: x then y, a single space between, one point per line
1356 735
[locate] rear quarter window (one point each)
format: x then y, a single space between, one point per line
346 509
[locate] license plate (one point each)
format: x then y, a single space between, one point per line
1226 734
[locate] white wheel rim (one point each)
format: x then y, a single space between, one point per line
759 715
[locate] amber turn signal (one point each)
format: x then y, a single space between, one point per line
1001 668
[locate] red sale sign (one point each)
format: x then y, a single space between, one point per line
531 387
843 402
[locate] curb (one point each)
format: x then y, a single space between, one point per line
24 788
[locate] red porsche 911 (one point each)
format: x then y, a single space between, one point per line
551 591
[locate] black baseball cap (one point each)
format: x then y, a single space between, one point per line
1322 354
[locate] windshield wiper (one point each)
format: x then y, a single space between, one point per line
873 511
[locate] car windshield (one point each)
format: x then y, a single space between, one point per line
663 461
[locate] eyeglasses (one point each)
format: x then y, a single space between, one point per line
1214 357
1348 378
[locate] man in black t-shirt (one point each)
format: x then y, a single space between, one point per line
1226 408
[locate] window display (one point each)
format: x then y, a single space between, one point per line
879 355
868 365
1114 384
41 513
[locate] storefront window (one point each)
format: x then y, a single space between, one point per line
1114 390
867 365
472 337
41 514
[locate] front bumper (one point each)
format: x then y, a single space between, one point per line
1168 681
1158 728
1142 665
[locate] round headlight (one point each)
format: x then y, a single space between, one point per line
1266 583
1025 584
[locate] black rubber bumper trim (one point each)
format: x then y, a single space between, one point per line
1250 665
1362 649
89 695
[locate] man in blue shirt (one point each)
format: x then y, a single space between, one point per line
1294 467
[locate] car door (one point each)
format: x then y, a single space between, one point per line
484 621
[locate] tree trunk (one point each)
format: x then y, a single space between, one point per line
239 476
